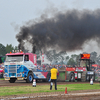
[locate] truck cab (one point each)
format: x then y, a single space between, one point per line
19 66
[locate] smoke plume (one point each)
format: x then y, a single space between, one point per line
65 31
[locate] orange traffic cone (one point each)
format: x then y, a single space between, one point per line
66 90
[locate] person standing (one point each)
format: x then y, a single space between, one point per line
54 72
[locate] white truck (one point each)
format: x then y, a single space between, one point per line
22 66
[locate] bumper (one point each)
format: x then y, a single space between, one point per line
18 78
7 78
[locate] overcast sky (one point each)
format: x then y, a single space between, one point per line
15 13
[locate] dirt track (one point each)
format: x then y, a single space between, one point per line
23 83
50 96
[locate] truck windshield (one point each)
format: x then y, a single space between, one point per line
13 58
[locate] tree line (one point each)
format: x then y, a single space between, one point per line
6 49
63 58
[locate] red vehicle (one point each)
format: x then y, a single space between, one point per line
82 72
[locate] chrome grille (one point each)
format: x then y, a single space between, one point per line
12 69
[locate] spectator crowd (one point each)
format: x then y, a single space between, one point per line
44 67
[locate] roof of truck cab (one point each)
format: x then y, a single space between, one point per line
19 54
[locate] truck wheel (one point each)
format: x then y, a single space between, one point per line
12 80
72 77
87 78
93 77
29 78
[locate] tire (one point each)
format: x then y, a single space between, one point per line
87 78
29 77
12 80
93 77
48 77
72 77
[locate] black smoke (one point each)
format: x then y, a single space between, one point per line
65 32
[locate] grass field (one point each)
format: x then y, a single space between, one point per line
1 78
4 91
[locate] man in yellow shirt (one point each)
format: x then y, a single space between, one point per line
53 77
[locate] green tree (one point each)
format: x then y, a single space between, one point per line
16 48
9 48
2 50
75 58
71 62
67 57
94 56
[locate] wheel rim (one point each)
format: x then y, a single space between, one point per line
93 77
72 77
30 78
87 77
